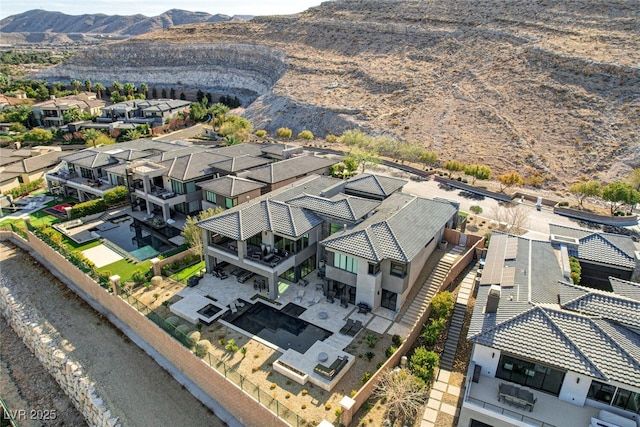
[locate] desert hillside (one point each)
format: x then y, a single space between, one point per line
548 88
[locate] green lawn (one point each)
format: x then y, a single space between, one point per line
183 275
41 218
125 269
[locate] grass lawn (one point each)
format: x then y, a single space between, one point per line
18 222
125 269
183 275
41 218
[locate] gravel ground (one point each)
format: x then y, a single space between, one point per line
132 385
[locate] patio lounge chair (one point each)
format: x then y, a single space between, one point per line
239 303
233 307
345 329
357 325
314 301
298 299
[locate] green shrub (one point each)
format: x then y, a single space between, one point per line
284 132
563 204
231 346
423 363
26 188
432 330
202 348
442 304
576 269
369 355
305 134
90 207
331 138
397 340
366 377
372 340
115 195
261 133
173 320
390 351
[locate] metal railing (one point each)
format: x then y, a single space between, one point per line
508 413
263 397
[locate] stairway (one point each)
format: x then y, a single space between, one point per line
457 319
430 287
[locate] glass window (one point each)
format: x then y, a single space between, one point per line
289 275
194 206
398 269
255 240
211 197
335 228
307 266
191 187
627 400
229 202
389 299
601 392
345 262
374 268
177 187
530 374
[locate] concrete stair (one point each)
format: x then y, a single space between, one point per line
430 287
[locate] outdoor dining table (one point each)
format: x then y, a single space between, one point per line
516 396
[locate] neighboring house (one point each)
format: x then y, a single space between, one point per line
26 165
279 174
282 151
601 255
228 191
12 101
572 351
143 111
373 186
372 249
50 113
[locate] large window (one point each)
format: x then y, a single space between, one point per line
229 202
86 173
345 262
374 268
389 300
177 187
398 269
335 228
307 266
530 374
191 187
255 240
211 197
620 397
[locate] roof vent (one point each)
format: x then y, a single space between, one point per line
493 299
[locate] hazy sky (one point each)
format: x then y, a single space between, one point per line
156 7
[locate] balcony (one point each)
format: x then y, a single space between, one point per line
71 179
271 260
160 196
548 411
227 246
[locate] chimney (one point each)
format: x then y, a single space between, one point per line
493 299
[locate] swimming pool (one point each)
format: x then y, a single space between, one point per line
279 328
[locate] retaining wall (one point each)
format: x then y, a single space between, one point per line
246 410
45 343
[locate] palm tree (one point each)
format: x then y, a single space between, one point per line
129 88
117 86
91 135
99 88
87 84
76 85
132 134
219 110
144 89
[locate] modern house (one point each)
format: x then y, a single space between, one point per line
278 174
546 351
153 112
50 113
228 191
601 255
26 165
372 251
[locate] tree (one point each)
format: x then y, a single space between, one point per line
172 93
144 89
478 172
90 136
72 114
515 216
585 189
192 233
20 114
132 134
218 111
403 392
38 135
364 158
477 210
154 93
618 194
116 86
634 179
427 158
199 96
509 179
88 85
129 89
423 363
453 166
576 270
76 85
99 87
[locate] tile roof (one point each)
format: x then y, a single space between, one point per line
377 185
190 166
391 233
250 218
596 246
289 168
313 184
625 288
35 163
89 159
240 163
343 207
230 185
605 304
247 148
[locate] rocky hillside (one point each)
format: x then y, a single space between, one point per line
42 21
545 88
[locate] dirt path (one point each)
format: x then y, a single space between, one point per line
133 386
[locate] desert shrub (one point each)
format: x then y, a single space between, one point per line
173 320
183 329
369 355
432 330
231 346
366 377
442 304
194 336
423 363
372 340
202 348
284 132
397 340
331 138
390 350
261 133
305 134
563 203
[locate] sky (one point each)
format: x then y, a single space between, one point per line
156 7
